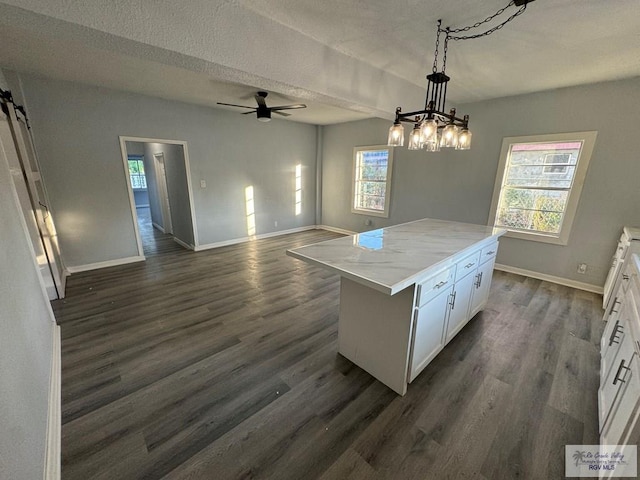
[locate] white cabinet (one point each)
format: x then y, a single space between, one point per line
446 301
482 282
430 321
628 244
619 393
459 306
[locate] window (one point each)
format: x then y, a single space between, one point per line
539 183
136 171
372 180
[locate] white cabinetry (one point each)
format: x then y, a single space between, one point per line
619 393
445 303
628 244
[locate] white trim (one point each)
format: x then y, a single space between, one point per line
132 199
588 140
183 244
335 230
54 420
588 287
108 263
235 241
158 227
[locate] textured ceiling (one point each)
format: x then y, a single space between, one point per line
345 59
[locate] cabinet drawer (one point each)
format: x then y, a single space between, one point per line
488 252
467 265
435 284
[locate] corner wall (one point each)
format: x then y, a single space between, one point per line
459 185
76 130
26 334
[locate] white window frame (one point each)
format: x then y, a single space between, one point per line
562 238
387 198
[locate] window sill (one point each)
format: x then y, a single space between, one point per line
537 237
370 213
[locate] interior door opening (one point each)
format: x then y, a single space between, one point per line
160 193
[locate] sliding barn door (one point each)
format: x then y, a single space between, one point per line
33 198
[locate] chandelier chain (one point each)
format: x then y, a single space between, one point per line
435 56
519 12
444 50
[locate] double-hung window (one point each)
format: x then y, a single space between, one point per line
538 185
372 167
136 172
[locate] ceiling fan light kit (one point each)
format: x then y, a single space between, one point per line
262 111
433 127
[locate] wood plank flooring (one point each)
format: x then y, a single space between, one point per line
222 364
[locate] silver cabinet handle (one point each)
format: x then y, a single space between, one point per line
491 252
614 335
469 265
625 277
441 284
613 306
453 300
620 368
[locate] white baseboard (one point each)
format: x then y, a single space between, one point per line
54 420
183 244
158 227
235 241
336 230
551 278
108 263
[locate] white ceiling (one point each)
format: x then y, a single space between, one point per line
345 59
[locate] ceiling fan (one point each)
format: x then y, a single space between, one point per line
262 110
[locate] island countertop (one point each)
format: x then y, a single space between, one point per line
393 258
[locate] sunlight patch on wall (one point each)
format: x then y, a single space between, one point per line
251 215
298 197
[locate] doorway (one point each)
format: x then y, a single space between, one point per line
160 194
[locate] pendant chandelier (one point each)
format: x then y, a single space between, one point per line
433 127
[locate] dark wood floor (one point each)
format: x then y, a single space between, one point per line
222 364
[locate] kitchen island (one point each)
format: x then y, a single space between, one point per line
406 291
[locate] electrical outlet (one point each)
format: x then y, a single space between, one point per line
203 184
582 268
368 222
275 224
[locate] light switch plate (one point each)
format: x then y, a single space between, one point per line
203 184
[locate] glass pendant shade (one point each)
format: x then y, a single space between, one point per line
433 145
429 130
449 136
396 135
415 138
464 140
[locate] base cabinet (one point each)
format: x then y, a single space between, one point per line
459 306
446 301
619 393
430 321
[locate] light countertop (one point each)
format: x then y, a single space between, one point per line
393 258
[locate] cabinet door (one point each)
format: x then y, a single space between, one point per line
481 286
459 309
625 401
428 332
617 359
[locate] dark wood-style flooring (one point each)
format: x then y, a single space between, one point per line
222 364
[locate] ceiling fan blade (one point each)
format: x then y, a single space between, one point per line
234 105
260 96
252 111
281 113
289 107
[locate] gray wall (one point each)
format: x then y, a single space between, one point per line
459 185
25 345
76 131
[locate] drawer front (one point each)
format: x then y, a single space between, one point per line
435 284
467 265
488 252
